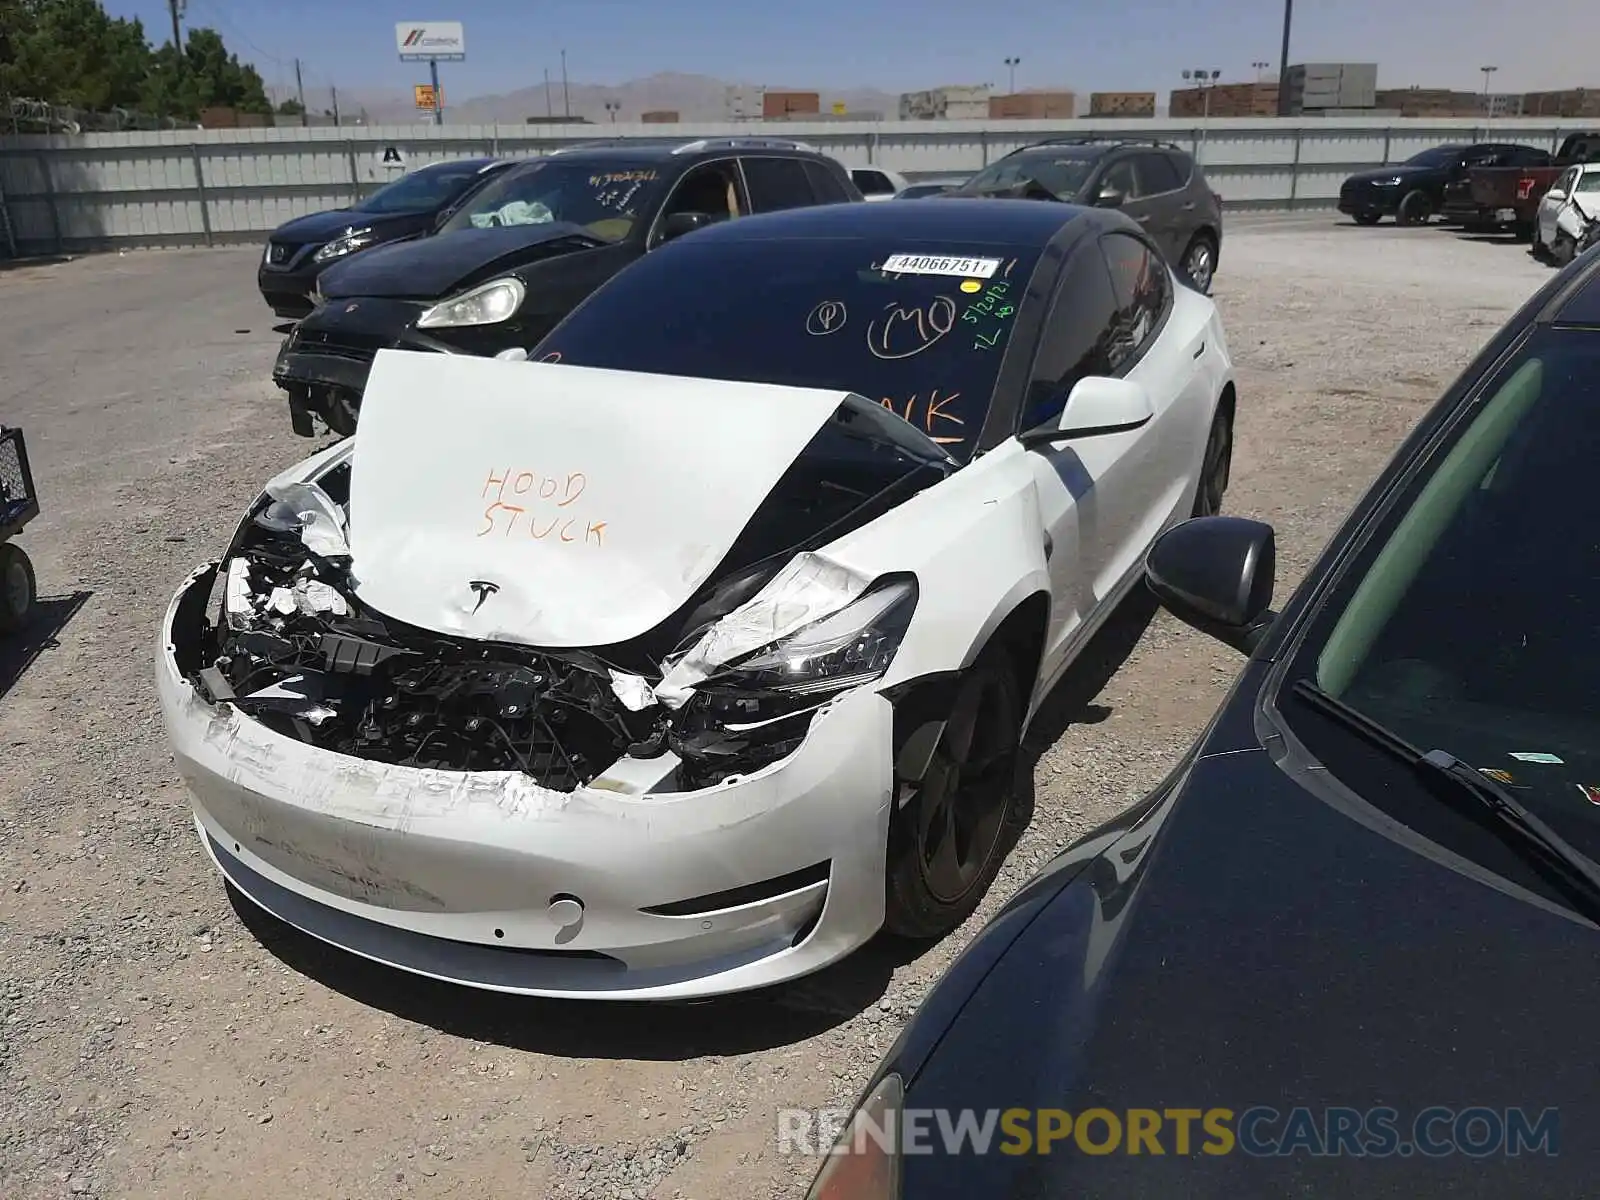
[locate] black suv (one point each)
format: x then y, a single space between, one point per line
1156 183
523 250
1429 182
298 251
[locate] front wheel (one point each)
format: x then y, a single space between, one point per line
947 841
1216 465
18 587
1199 261
1367 218
1562 250
1415 209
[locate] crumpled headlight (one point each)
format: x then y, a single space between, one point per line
487 304
844 650
349 243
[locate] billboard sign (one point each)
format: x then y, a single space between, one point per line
419 41
427 98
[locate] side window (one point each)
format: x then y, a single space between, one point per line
825 185
1157 175
777 183
1119 177
1183 165
872 183
1142 287
712 188
1073 342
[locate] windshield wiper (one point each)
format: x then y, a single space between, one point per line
1537 841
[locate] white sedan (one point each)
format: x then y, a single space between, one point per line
690 654
1565 212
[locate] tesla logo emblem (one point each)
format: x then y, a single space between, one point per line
485 589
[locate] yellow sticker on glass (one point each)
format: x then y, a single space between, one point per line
971 285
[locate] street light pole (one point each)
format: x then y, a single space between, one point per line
1488 112
1205 79
1011 67
612 107
1283 60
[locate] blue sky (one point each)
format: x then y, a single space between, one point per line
895 45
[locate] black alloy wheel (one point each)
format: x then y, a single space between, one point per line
1215 465
946 841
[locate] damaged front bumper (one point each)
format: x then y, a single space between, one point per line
623 888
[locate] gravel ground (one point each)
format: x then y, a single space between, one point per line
155 1041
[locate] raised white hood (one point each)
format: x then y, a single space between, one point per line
631 488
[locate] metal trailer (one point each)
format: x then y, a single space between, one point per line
19 504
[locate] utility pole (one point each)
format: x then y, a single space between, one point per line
1283 60
300 91
438 96
1488 111
333 93
566 98
176 7
612 106
1011 66
548 110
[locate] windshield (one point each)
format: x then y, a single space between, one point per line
818 313
1061 175
421 191
1589 181
604 198
1439 156
1475 625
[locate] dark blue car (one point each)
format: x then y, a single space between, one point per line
298 250
1348 947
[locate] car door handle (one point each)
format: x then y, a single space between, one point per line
1199 350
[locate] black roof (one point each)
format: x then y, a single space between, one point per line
958 220
664 149
1089 146
478 163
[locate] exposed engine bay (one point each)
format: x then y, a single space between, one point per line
293 646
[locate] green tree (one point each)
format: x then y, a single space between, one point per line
291 108
71 52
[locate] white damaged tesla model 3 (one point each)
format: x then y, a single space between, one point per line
568 680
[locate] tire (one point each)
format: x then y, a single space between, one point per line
1199 261
339 411
1415 209
18 588
1562 250
1216 465
1535 246
1367 218
929 893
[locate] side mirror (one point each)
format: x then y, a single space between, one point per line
1096 406
679 223
1109 197
1216 574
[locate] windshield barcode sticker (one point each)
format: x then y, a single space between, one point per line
938 264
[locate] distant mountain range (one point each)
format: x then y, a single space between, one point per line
693 97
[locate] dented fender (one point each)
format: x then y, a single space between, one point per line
975 543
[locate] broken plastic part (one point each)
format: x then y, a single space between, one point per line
809 588
633 690
309 509
513 354
237 598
